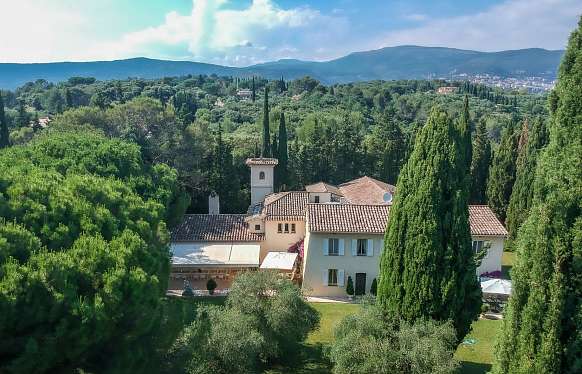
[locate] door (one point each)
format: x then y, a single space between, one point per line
360 284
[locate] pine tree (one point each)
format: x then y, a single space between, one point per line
542 328
481 158
4 134
22 117
282 154
386 147
502 173
266 150
427 268
530 144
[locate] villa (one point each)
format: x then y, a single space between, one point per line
318 237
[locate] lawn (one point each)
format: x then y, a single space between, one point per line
477 358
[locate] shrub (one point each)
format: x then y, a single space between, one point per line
265 318
287 317
485 308
211 286
369 342
374 287
187 291
350 287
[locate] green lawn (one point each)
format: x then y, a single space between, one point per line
477 358
507 261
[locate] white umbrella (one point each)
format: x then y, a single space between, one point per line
496 286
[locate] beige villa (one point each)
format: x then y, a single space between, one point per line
318 237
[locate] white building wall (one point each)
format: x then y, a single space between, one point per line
261 187
316 263
492 261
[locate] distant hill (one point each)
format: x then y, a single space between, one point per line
403 62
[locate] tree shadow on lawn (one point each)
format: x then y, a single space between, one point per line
311 360
468 367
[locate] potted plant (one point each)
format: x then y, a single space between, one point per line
211 286
374 287
350 288
187 289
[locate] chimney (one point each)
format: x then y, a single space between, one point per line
213 203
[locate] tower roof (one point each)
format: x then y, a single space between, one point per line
262 161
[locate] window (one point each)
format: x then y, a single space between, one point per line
280 228
262 175
333 247
257 227
362 247
293 228
332 277
316 199
286 227
477 246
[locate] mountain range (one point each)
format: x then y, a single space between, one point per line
402 62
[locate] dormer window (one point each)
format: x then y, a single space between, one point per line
262 175
316 199
257 227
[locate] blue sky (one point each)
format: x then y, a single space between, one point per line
243 32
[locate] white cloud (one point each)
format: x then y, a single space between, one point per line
513 24
31 30
214 33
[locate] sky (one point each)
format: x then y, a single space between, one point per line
245 32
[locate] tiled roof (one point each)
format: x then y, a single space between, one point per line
484 222
262 161
366 191
286 205
214 228
323 187
349 218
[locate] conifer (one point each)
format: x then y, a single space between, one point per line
282 154
427 268
542 327
266 150
530 144
502 173
481 158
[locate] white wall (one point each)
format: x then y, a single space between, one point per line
316 263
324 197
261 187
492 261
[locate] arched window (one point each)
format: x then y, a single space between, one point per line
262 175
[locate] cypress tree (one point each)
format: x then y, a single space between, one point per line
4 134
275 147
282 154
464 125
427 268
481 159
502 173
542 328
253 91
530 144
266 150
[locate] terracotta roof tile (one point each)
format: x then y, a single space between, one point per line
347 218
262 161
286 205
323 187
484 222
214 228
350 218
366 191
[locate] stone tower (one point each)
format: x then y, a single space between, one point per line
262 177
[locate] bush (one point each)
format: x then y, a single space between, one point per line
211 286
369 342
350 287
265 319
374 287
187 291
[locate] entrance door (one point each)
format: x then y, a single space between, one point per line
360 284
